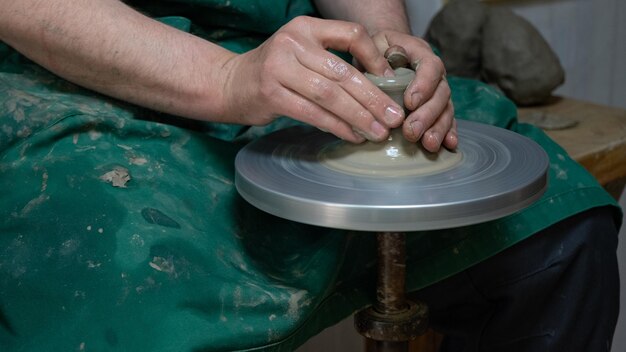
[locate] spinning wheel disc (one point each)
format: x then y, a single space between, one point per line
499 173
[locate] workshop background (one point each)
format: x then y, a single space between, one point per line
589 38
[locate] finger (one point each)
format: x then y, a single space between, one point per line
332 97
429 69
435 135
380 40
420 120
352 38
386 111
302 109
428 74
452 140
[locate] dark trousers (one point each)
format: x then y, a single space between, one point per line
555 291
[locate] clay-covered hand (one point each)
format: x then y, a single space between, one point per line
293 74
428 96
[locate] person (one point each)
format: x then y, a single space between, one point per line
290 74
122 229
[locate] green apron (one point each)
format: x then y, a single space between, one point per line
121 230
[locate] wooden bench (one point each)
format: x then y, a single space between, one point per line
597 141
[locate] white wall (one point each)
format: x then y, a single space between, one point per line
420 13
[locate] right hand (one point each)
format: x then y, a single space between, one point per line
293 74
431 120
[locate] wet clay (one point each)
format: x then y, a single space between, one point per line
496 45
395 157
518 59
457 32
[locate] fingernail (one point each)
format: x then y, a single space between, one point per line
393 115
435 136
418 129
416 99
389 73
360 133
453 140
359 138
378 130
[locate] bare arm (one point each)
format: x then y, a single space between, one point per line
113 49
375 15
109 47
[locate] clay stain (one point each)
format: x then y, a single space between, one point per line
118 177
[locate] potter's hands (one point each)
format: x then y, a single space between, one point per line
428 96
293 74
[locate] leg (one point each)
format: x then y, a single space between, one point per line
556 291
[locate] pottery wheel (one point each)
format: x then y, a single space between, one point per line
300 174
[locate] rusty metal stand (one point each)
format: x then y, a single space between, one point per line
393 320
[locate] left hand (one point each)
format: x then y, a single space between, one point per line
428 97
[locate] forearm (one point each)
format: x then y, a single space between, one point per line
375 15
110 48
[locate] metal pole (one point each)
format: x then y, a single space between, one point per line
393 320
391 284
